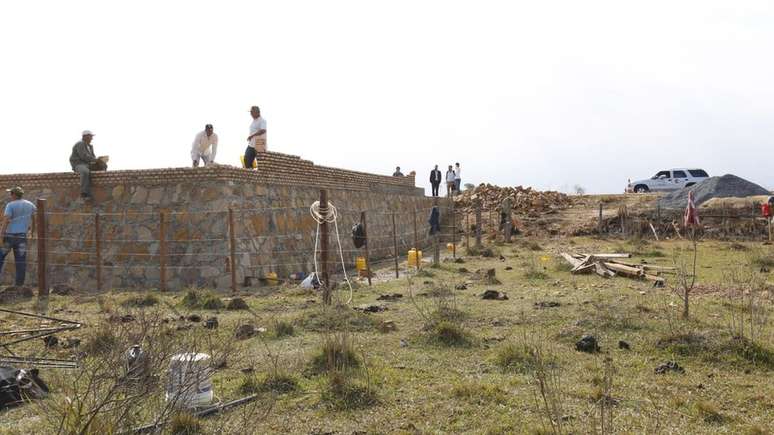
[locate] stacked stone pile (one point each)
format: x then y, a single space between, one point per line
523 199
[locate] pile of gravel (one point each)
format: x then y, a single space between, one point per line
727 186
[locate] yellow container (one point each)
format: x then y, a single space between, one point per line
360 263
450 247
414 257
242 159
272 278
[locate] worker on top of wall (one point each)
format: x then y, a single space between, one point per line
450 181
435 180
83 161
397 172
205 146
256 142
17 221
457 179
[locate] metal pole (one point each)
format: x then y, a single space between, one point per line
367 256
395 244
232 246
42 268
478 224
98 250
324 246
163 251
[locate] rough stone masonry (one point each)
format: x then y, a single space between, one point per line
274 231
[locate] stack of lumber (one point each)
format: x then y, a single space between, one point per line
610 265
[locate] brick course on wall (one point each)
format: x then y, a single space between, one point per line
274 230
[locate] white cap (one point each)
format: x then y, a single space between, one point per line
87 132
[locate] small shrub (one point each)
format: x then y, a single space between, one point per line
424 273
141 301
534 246
449 334
709 412
279 383
105 304
751 351
237 304
343 393
249 385
103 341
283 328
202 300
513 357
185 424
479 393
212 302
192 299
763 259
337 353
336 318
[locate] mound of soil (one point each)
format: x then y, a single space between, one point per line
727 186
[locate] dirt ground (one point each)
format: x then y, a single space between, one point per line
440 359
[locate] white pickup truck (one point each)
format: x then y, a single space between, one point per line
666 181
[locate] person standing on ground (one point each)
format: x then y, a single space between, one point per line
256 142
16 222
457 179
205 146
397 172
450 181
83 161
435 180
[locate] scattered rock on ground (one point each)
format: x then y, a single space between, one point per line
388 326
371 308
13 293
508 268
70 343
126 318
211 323
195 318
494 295
588 344
459 260
62 290
463 270
50 341
461 286
246 331
547 304
670 366
624 345
389 297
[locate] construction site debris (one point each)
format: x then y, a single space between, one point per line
523 199
727 186
606 266
49 326
494 295
13 293
389 297
18 386
211 323
670 366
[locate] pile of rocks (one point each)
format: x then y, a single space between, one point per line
523 199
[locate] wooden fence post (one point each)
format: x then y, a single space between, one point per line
507 226
395 245
599 224
98 250
453 231
232 248
416 240
478 224
162 251
41 230
367 256
325 282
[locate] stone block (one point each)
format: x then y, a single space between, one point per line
140 195
155 195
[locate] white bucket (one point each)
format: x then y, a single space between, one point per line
190 380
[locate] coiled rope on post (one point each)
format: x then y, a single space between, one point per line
331 217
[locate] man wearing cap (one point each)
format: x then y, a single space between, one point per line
256 142
205 146
16 222
83 161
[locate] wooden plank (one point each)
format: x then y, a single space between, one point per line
626 270
608 256
603 271
572 260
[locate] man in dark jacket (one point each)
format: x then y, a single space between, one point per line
435 180
83 161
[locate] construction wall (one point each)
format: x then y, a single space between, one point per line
273 229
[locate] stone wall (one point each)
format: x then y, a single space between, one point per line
274 230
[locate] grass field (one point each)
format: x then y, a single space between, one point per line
446 361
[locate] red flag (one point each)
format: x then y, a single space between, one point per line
691 214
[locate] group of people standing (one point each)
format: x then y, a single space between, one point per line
453 180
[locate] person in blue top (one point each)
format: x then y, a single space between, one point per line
17 221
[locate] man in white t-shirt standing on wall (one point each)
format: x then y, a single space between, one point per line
205 146
457 179
256 142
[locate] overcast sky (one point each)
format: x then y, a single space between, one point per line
543 93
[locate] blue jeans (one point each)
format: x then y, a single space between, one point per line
17 243
457 183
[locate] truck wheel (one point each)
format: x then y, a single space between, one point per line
689 184
641 188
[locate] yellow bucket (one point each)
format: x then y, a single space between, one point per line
450 247
242 159
272 278
414 257
360 263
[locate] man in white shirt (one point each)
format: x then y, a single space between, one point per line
450 181
457 178
256 142
205 146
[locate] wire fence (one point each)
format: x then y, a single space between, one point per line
173 249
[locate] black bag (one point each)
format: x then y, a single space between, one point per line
358 235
